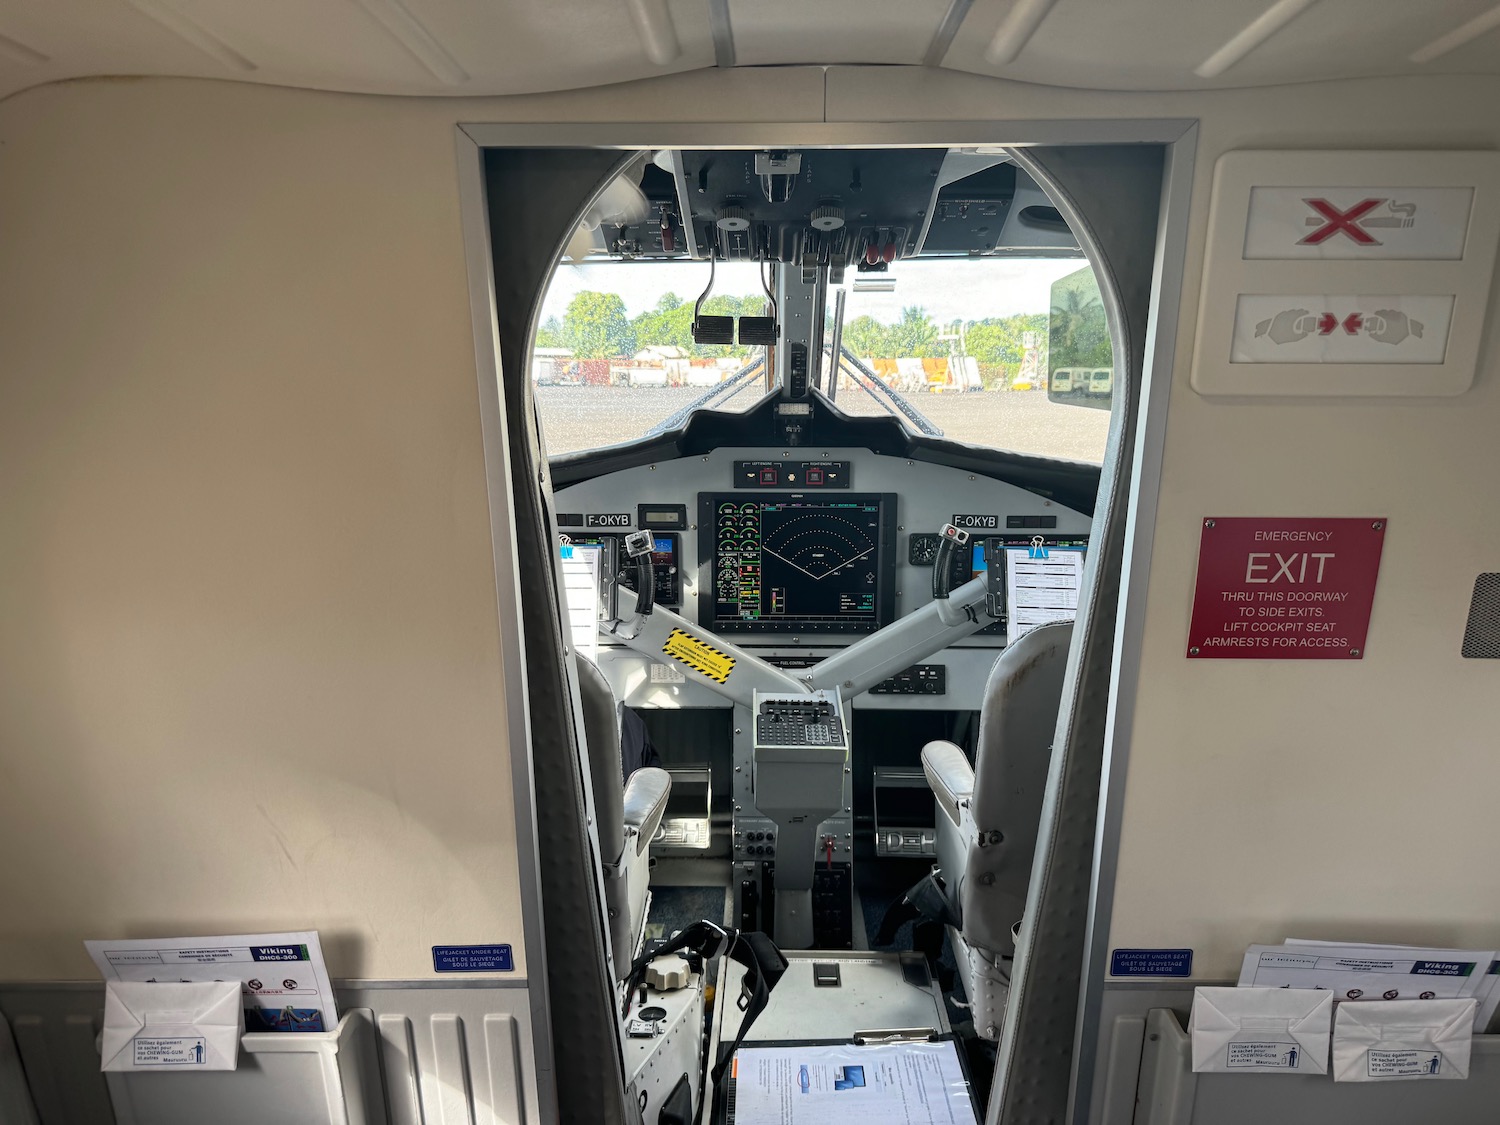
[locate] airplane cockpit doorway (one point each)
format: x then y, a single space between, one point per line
843 440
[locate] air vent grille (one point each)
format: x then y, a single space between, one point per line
1482 633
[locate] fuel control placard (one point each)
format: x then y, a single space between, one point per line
1285 589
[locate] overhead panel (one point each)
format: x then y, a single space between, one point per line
368 46
525 45
1091 44
341 41
769 32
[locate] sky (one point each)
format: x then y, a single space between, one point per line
949 289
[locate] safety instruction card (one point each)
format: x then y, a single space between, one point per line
1355 971
283 982
884 1084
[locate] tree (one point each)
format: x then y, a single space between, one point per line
866 337
550 335
999 344
914 335
595 326
1078 331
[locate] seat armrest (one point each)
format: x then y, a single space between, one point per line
950 776
646 796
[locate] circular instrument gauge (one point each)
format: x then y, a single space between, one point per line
921 549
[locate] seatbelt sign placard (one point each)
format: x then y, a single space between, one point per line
1285 589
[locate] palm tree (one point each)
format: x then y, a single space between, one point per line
914 334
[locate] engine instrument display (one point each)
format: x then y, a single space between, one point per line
791 563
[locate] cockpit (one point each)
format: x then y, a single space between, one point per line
824 431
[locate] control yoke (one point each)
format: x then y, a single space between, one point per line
639 545
950 539
708 659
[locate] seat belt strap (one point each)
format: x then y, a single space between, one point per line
764 966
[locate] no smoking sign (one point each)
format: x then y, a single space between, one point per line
1285 589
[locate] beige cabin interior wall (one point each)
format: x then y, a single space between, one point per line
1274 799
249 665
250 669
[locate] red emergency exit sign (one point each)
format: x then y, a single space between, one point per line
1285 589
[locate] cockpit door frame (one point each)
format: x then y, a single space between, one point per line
503 464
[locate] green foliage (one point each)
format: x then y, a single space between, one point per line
999 343
915 335
1078 332
595 326
866 337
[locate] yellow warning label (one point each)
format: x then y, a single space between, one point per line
698 655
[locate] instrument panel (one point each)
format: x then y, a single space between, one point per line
799 611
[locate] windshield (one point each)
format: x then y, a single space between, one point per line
965 343
615 357
955 347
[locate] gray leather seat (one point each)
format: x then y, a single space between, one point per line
989 813
626 815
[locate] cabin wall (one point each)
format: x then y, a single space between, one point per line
251 664
246 583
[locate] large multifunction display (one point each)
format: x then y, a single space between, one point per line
793 563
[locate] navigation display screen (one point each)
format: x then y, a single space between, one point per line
790 563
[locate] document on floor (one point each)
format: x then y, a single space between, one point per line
283 982
1373 972
884 1084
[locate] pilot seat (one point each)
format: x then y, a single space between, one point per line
627 813
990 812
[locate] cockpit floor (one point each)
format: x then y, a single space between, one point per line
676 908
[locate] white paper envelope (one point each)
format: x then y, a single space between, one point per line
1395 1040
1260 1030
171 1026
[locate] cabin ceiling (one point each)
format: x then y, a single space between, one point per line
468 47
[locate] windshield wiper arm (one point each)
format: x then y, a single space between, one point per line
710 396
875 387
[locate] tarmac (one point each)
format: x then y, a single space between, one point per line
585 417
